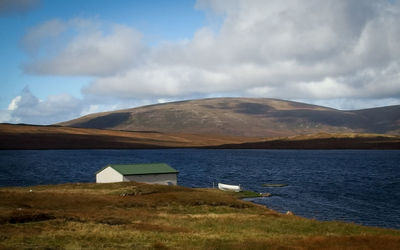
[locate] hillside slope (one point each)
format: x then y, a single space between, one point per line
249 117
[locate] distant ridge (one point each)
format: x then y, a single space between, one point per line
249 117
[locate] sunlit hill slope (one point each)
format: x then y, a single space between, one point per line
249 117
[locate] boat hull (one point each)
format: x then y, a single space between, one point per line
226 187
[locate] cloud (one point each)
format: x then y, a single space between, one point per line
310 50
81 47
8 7
27 108
40 37
5 116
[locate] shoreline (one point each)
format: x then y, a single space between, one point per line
98 216
244 195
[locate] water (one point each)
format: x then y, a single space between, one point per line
348 185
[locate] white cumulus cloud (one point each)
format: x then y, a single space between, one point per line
14 103
27 108
297 49
90 50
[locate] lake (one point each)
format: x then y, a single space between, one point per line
361 186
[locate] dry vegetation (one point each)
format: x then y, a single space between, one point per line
323 141
55 137
140 216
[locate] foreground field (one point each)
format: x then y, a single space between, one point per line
140 216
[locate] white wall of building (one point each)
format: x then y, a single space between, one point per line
108 175
164 179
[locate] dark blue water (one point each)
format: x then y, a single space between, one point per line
347 185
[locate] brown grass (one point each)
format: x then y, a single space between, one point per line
140 216
54 137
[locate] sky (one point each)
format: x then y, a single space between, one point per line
64 59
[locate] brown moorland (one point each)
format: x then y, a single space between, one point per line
56 137
323 141
140 216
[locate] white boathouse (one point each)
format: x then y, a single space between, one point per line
152 173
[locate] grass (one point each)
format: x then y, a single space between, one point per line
56 137
140 216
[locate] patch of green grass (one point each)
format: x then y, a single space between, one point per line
246 194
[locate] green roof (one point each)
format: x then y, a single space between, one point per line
149 168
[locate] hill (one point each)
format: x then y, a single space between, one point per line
140 216
247 117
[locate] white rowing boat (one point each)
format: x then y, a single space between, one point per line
226 187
